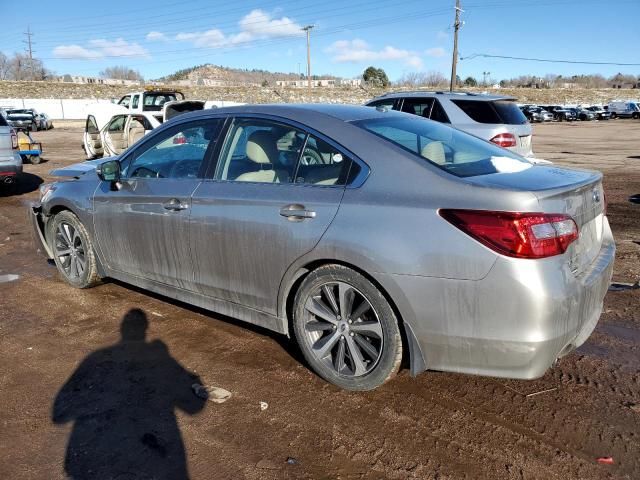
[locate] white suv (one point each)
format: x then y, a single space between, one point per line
490 117
10 160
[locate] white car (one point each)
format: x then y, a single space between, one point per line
494 118
112 128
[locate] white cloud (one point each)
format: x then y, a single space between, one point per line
72 51
156 37
358 51
100 48
256 25
436 52
442 35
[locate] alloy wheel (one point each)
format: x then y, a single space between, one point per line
343 329
70 251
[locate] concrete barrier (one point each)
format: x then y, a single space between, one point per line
57 109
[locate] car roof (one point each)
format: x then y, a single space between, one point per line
481 97
302 112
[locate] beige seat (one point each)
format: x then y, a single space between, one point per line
262 150
136 131
434 151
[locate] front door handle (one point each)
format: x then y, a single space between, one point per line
296 211
175 205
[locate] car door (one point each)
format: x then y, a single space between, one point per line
114 139
142 227
92 138
274 193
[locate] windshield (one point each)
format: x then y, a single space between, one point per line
451 150
155 101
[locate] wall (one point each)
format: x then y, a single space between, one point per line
57 109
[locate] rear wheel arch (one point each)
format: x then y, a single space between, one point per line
412 352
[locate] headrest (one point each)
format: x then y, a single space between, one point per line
262 147
434 151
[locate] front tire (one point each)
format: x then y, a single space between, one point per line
346 329
73 251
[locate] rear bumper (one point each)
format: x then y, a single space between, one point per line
11 165
513 323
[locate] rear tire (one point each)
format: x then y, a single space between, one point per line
346 329
73 250
614 115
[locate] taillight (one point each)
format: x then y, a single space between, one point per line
504 140
179 140
14 139
520 235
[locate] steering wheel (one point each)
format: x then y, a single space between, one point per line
144 172
311 157
184 169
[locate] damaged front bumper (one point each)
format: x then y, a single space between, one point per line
38 225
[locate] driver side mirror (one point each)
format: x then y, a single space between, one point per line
109 171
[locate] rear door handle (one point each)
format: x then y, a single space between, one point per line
175 205
296 211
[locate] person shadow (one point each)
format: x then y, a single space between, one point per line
121 400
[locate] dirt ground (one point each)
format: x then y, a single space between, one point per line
74 396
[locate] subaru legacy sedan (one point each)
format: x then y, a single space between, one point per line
365 234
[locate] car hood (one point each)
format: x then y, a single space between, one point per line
79 169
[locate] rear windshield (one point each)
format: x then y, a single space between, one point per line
451 150
155 101
498 111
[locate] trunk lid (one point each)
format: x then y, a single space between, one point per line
577 193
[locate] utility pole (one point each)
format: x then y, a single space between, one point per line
29 49
454 61
308 30
484 78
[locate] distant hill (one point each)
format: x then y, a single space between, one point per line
235 75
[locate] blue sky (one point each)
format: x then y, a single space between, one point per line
158 37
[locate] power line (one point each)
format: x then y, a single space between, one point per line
253 42
548 60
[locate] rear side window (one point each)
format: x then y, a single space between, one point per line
509 112
322 164
449 149
500 111
417 106
438 114
481 112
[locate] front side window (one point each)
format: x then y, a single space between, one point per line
260 151
117 124
124 101
92 126
451 150
383 105
176 153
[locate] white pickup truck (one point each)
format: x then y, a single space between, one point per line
111 128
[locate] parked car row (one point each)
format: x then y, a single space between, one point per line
27 119
560 113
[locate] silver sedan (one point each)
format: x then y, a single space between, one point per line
366 235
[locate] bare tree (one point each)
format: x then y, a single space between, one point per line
4 66
121 72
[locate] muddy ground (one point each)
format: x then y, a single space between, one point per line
71 393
